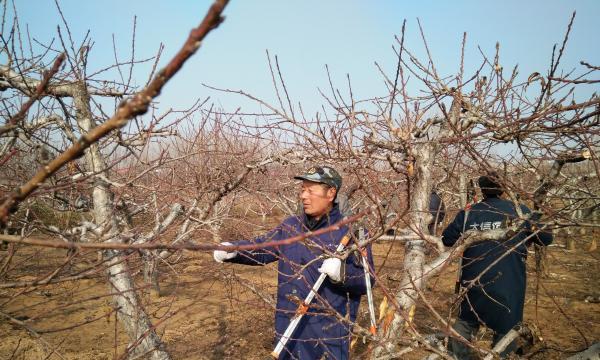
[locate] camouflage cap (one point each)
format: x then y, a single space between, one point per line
322 174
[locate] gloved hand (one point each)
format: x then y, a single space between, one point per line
222 255
333 268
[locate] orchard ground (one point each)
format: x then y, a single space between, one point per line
213 311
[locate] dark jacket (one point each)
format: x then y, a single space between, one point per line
436 207
497 299
437 211
320 331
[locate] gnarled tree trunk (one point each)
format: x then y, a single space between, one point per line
143 339
414 256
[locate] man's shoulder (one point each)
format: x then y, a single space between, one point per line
509 204
494 202
292 220
498 205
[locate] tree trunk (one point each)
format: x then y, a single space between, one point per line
595 217
571 244
570 241
593 245
463 189
414 257
541 261
151 271
137 325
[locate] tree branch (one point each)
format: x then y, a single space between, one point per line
135 106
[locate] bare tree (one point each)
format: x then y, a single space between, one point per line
161 183
460 125
74 94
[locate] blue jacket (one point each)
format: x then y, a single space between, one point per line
320 331
497 299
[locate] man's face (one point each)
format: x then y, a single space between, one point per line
316 198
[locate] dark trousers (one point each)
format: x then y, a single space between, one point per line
468 330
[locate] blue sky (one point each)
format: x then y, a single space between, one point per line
349 36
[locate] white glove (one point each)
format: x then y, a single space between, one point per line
332 267
222 255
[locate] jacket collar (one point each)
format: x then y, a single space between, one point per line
330 218
491 197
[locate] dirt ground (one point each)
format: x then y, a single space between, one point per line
213 311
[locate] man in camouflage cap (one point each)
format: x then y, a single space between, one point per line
320 333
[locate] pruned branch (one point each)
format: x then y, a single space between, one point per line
540 193
192 247
39 91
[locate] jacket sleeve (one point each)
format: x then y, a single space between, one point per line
454 230
259 256
542 237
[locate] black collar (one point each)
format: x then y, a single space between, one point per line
331 217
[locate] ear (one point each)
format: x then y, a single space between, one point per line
331 193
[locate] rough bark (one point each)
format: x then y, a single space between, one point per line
463 189
137 324
414 258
